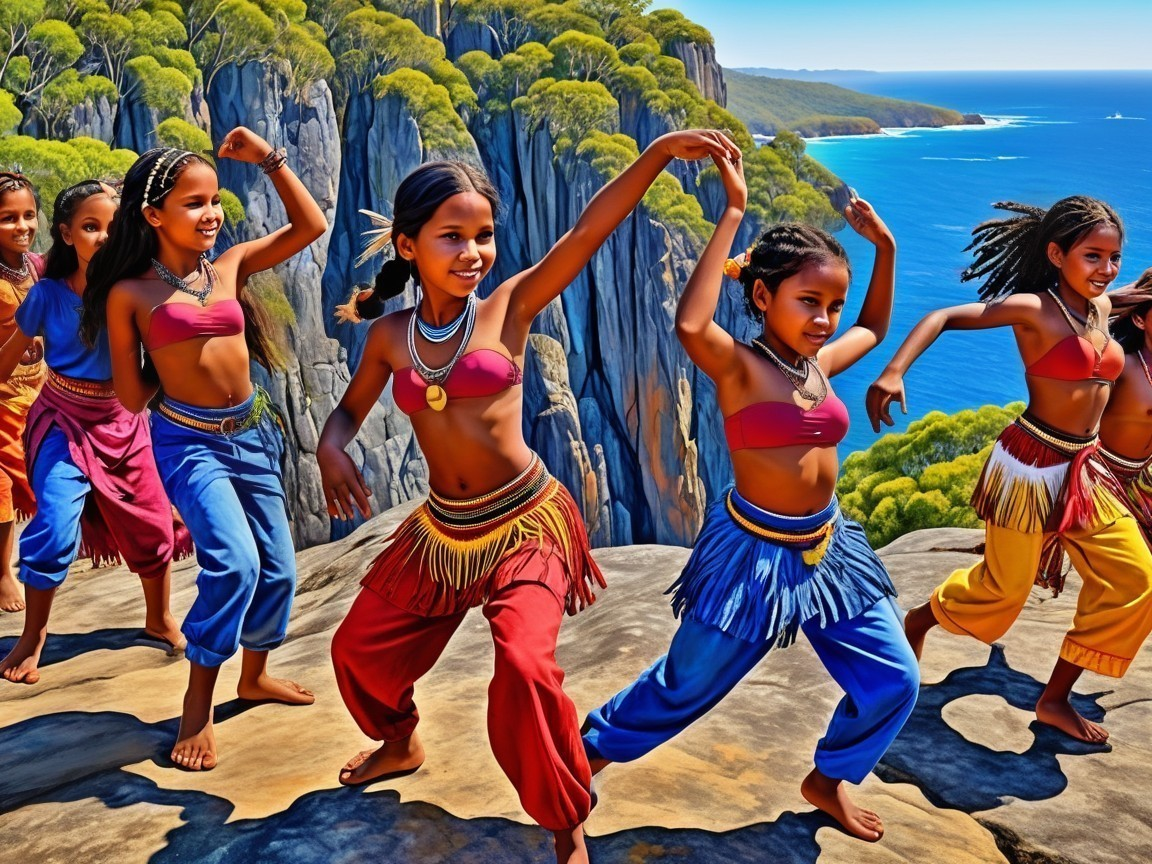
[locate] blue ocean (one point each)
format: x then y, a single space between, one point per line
1049 135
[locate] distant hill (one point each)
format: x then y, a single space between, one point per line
814 109
842 77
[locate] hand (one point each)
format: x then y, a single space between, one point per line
33 354
244 145
866 223
889 387
345 491
693 144
732 176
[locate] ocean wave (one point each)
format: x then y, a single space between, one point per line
971 158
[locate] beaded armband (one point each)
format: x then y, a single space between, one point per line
274 161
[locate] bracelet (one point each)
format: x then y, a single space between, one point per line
274 161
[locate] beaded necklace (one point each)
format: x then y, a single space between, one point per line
204 270
1144 366
434 393
1090 323
797 375
13 275
435 334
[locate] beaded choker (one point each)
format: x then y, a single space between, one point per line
204 270
13 275
797 375
435 334
434 394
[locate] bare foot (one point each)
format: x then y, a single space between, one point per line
269 689
11 597
570 848
167 631
21 666
1060 714
195 748
917 623
391 759
830 796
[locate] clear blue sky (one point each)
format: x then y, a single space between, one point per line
892 35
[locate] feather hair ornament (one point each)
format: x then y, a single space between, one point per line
376 238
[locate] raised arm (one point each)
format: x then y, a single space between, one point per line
132 388
534 288
1015 310
710 346
876 313
11 353
345 491
305 218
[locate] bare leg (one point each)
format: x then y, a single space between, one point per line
830 796
917 623
391 759
257 685
158 620
195 747
21 664
1055 707
11 597
570 848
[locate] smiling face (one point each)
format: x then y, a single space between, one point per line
87 230
456 247
804 311
1091 264
17 225
190 216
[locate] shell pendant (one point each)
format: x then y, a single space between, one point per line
435 396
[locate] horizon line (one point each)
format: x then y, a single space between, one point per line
920 71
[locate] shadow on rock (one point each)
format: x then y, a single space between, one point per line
957 773
65 646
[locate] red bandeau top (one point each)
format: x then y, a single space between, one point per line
483 372
1074 359
783 424
177 322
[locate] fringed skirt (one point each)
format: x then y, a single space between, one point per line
1039 480
758 575
1135 477
449 555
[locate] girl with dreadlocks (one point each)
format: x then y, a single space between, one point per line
497 530
1126 427
90 460
775 555
1045 489
216 440
19 270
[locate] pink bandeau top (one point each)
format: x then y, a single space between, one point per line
176 322
483 372
783 424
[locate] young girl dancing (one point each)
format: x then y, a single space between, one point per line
216 440
775 555
19 270
90 459
1045 489
496 529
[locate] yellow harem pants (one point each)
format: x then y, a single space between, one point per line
1113 609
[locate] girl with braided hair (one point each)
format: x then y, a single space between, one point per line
217 440
775 554
19 270
497 530
89 459
1045 489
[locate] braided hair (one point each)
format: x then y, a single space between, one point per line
783 251
1127 302
1012 254
14 181
418 197
132 245
61 260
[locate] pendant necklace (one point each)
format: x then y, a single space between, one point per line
797 375
435 334
14 275
1092 322
204 270
434 393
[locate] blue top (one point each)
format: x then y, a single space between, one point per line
51 310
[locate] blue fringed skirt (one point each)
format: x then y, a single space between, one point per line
761 590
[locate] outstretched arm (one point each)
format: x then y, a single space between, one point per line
876 313
132 388
1015 310
710 346
534 288
305 218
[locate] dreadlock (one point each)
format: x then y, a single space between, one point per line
783 251
1128 302
1012 254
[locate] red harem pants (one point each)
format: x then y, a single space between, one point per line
381 649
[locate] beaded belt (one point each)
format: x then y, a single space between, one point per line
224 426
1133 465
525 490
815 539
80 386
1070 445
